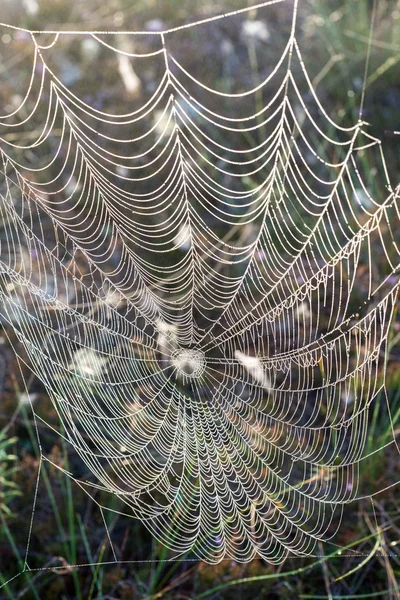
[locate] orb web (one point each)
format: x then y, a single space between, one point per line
188 362
184 278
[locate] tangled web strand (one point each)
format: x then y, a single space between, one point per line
182 281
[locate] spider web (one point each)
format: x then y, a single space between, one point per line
182 278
